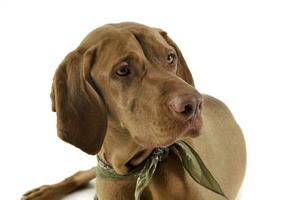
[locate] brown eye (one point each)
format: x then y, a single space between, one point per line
124 71
171 58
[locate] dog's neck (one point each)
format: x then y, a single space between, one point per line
120 151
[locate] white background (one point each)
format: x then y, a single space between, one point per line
246 53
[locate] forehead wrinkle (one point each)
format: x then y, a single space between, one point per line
153 46
144 38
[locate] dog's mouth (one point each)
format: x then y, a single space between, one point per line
191 128
169 135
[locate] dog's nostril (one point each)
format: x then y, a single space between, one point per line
187 110
200 105
186 106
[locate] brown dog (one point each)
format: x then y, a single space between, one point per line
130 83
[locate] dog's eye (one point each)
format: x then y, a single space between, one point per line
123 71
171 58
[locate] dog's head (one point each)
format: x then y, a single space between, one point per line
131 74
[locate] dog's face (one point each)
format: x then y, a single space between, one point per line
133 75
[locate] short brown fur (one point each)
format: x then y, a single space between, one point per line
123 120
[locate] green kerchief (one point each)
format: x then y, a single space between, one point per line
144 172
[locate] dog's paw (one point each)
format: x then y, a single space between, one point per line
45 192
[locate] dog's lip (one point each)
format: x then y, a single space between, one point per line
191 127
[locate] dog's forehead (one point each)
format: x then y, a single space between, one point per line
105 33
126 36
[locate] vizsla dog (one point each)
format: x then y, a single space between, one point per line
125 91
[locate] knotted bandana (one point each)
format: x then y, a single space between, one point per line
144 172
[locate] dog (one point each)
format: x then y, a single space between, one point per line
127 90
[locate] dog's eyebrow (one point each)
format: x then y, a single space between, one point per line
128 56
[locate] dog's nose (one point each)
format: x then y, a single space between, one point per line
186 106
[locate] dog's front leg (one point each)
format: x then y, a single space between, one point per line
59 190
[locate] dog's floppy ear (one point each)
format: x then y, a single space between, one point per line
182 70
81 113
